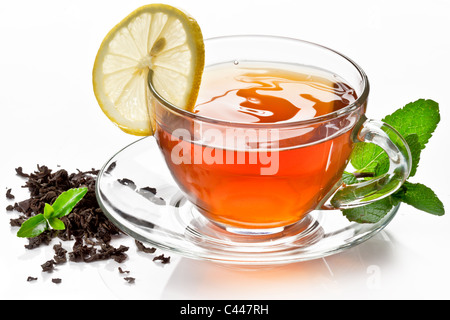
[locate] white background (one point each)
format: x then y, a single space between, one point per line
49 116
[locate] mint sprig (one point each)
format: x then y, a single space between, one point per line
62 206
416 122
420 197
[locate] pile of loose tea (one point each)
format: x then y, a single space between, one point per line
86 224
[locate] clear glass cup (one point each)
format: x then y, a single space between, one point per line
262 177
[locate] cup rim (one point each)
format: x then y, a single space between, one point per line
329 116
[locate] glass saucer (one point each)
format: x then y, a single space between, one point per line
137 193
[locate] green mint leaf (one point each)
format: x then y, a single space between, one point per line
48 211
66 201
418 118
371 213
366 156
421 197
56 224
416 122
414 145
33 227
416 149
349 178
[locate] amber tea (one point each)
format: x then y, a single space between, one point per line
249 178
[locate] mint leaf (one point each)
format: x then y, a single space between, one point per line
56 224
349 178
366 156
371 213
414 145
421 197
418 118
416 150
416 122
33 227
66 201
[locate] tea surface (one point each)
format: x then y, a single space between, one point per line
270 93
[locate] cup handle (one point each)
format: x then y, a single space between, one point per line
363 193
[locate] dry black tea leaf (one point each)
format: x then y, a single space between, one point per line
60 254
48 266
123 271
130 279
141 247
9 195
162 258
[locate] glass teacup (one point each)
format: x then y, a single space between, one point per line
258 178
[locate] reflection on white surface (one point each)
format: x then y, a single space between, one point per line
359 271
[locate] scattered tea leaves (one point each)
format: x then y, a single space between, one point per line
86 223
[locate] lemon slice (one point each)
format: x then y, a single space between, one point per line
155 37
